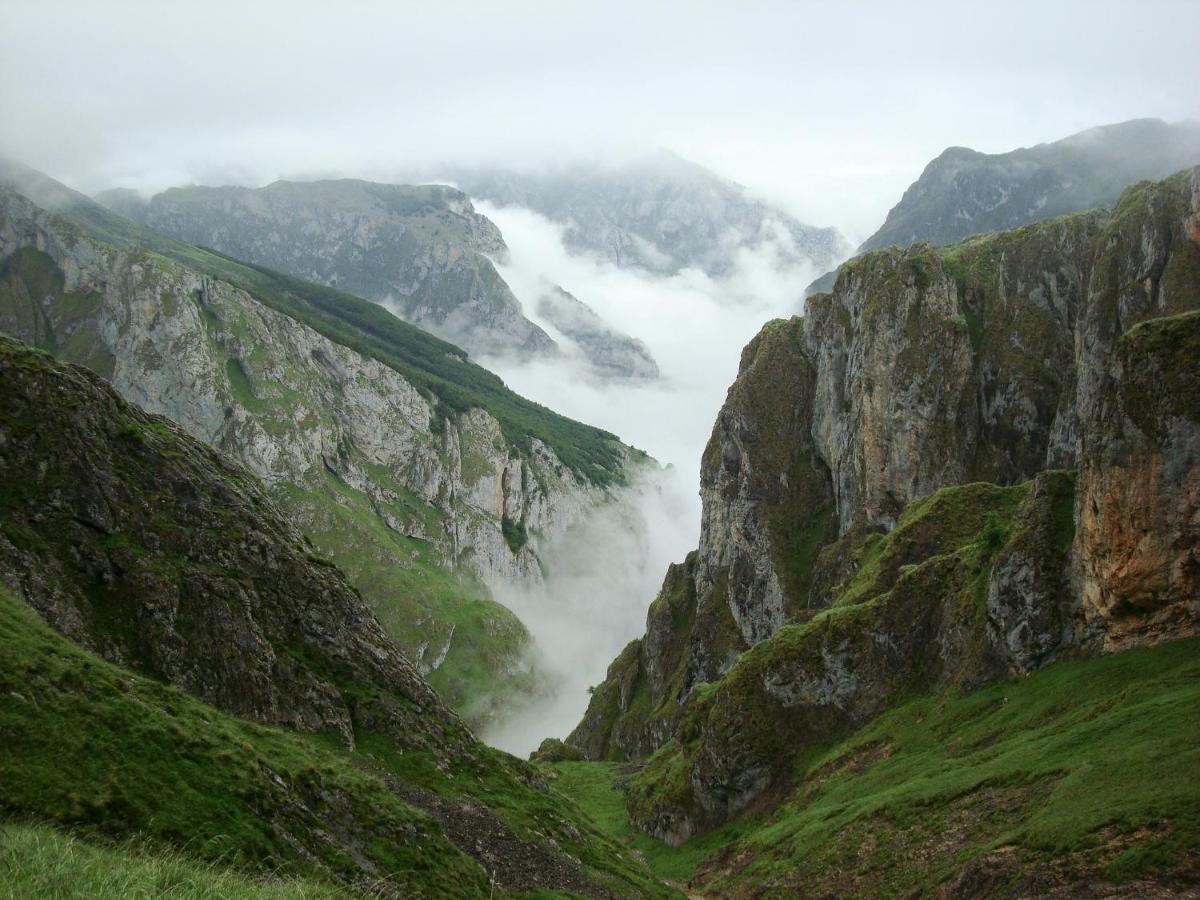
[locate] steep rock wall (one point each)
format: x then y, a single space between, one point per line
989 361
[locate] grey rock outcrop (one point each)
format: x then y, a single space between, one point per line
610 353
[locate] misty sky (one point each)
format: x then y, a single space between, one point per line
828 109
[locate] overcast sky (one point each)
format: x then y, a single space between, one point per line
830 109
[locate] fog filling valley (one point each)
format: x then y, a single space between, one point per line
602 577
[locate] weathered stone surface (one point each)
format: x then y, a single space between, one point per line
1139 422
610 353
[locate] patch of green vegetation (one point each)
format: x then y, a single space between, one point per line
140 431
474 465
995 532
970 263
1062 512
484 672
597 789
90 746
239 382
1083 754
419 599
1162 379
499 781
940 523
974 328
797 546
40 861
515 534
29 279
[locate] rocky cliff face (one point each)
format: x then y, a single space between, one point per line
420 250
965 192
891 501
400 490
660 213
1139 410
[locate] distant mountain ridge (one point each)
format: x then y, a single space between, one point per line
421 250
964 192
661 213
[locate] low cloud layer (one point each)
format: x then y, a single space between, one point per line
829 109
694 325
603 577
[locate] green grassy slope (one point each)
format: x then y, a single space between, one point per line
92 746
598 789
405 581
1086 769
41 861
113 756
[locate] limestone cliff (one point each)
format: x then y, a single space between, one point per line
891 500
401 488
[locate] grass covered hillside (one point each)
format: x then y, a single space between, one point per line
42 861
93 747
111 783
1079 778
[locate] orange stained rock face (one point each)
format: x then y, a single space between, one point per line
1139 557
